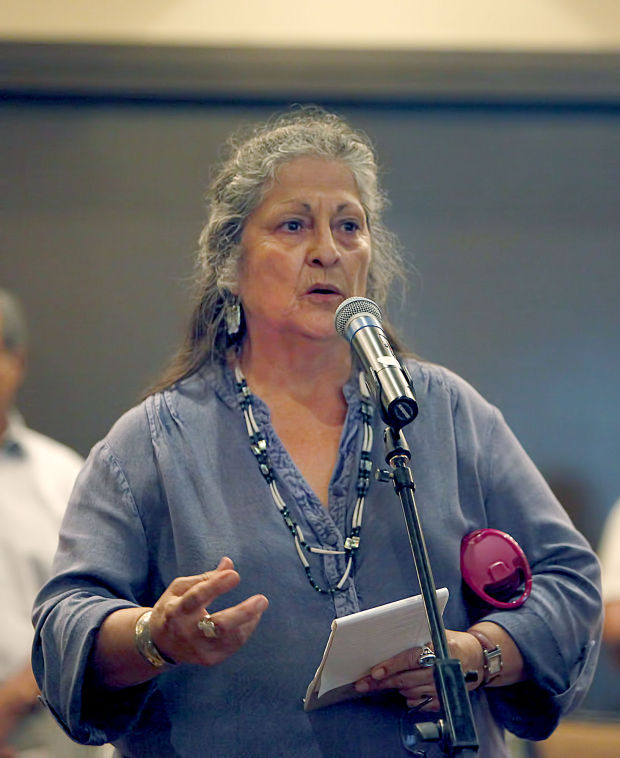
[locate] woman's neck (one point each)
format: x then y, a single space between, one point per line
302 387
307 371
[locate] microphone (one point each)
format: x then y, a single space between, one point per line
358 320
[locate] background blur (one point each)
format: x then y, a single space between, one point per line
497 127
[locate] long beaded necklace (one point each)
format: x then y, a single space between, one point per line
258 445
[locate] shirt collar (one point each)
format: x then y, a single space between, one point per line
12 441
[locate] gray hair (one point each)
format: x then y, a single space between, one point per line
237 188
13 322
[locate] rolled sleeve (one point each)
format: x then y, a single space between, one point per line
101 566
558 629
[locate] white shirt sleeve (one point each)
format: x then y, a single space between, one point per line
609 553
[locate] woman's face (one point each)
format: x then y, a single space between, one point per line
306 248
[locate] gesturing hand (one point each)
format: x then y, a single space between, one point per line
175 617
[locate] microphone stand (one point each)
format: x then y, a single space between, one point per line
454 731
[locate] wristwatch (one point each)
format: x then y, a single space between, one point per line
492 662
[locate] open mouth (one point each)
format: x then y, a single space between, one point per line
323 289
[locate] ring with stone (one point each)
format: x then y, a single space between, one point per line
207 627
427 657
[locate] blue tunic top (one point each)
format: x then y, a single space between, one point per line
174 486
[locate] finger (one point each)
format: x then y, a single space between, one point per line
203 593
411 687
181 584
245 614
408 660
424 702
410 684
229 639
409 680
403 672
367 684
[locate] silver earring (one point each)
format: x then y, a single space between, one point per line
232 314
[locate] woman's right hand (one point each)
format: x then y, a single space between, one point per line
174 628
175 617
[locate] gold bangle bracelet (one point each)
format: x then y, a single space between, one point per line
145 645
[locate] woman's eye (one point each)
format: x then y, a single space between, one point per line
350 226
292 225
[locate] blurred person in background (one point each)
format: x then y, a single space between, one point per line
609 553
36 478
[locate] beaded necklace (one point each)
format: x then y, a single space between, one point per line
258 445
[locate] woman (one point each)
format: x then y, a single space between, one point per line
187 614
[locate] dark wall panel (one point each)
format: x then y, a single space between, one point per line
506 214
503 194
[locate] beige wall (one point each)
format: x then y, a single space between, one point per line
528 25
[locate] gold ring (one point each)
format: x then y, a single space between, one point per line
207 627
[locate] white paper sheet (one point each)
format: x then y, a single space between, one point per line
361 640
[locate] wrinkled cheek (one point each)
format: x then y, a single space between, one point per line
362 282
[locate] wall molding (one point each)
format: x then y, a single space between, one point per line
246 74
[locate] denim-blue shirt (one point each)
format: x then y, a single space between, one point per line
174 486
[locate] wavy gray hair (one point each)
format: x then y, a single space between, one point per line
237 188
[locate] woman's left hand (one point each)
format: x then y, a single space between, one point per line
414 681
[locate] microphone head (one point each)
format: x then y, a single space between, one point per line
353 306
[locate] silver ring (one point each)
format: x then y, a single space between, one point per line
207 627
427 657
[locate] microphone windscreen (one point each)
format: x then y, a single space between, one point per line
352 307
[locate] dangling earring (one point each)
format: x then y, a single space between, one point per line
232 315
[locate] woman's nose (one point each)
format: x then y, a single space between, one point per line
324 250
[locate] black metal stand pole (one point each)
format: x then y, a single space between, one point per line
456 732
